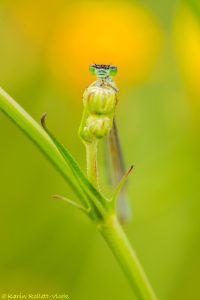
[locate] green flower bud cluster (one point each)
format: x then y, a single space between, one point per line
99 108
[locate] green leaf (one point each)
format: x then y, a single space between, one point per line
120 185
91 192
36 133
73 203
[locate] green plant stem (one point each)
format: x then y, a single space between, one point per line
109 226
36 133
91 162
126 257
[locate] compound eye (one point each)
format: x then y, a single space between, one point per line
113 70
92 69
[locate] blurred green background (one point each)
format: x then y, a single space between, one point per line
46 47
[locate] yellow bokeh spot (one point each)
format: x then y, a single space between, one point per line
187 42
122 34
35 19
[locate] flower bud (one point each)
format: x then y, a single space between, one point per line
100 100
86 134
98 126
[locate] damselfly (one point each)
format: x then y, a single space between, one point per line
104 75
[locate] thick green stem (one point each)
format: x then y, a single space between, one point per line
123 252
36 133
91 161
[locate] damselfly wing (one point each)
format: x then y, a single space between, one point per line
117 171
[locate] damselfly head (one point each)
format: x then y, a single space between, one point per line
103 71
